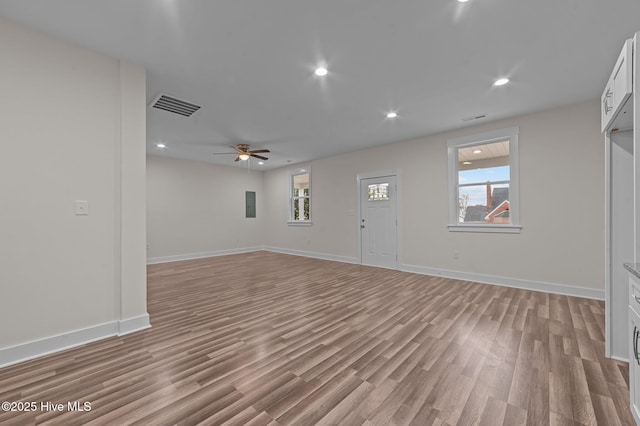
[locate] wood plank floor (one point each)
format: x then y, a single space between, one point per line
271 339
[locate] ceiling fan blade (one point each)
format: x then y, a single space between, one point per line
258 156
237 159
236 148
257 151
224 153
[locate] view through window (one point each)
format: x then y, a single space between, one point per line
300 197
483 183
379 192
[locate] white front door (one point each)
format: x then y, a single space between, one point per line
378 224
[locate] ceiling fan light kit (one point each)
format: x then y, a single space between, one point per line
245 152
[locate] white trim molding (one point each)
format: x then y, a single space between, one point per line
304 170
502 229
314 255
586 293
397 173
382 173
191 256
131 325
566 290
300 223
49 345
508 134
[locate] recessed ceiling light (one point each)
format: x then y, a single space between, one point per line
260 162
477 151
161 145
462 1
321 71
501 82
392 114
466 162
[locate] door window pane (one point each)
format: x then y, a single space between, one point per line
379 192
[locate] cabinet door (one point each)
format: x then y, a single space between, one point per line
634 363
619 87
621 76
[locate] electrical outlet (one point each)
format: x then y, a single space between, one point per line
82 207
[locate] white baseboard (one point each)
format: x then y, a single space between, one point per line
48 345
566 290
34 349
323 256
191 256
619 358
586 293
134 324
467 276
37 348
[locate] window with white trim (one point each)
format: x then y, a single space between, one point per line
483 182
300 197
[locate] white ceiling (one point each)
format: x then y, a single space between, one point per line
485 151
249 64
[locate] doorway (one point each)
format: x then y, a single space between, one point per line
378 222
619 241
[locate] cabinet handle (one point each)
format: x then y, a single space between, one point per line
636 334
607 95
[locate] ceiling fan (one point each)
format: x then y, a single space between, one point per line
244 152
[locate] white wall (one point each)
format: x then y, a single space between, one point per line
561 197
333 208
196 209
73 128
131 190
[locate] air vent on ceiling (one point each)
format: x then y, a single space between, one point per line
176 106
475 117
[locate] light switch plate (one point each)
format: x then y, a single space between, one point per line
82 207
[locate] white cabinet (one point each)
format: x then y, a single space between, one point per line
620 123
618 90
634 363
634 341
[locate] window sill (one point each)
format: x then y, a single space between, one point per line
300 223
504 229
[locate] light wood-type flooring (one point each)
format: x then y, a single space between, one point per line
272 339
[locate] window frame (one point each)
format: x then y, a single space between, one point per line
290 199
510 134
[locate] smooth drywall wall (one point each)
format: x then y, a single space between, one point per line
62 129
196 209
132 193
561 197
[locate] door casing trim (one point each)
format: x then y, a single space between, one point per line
370 175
